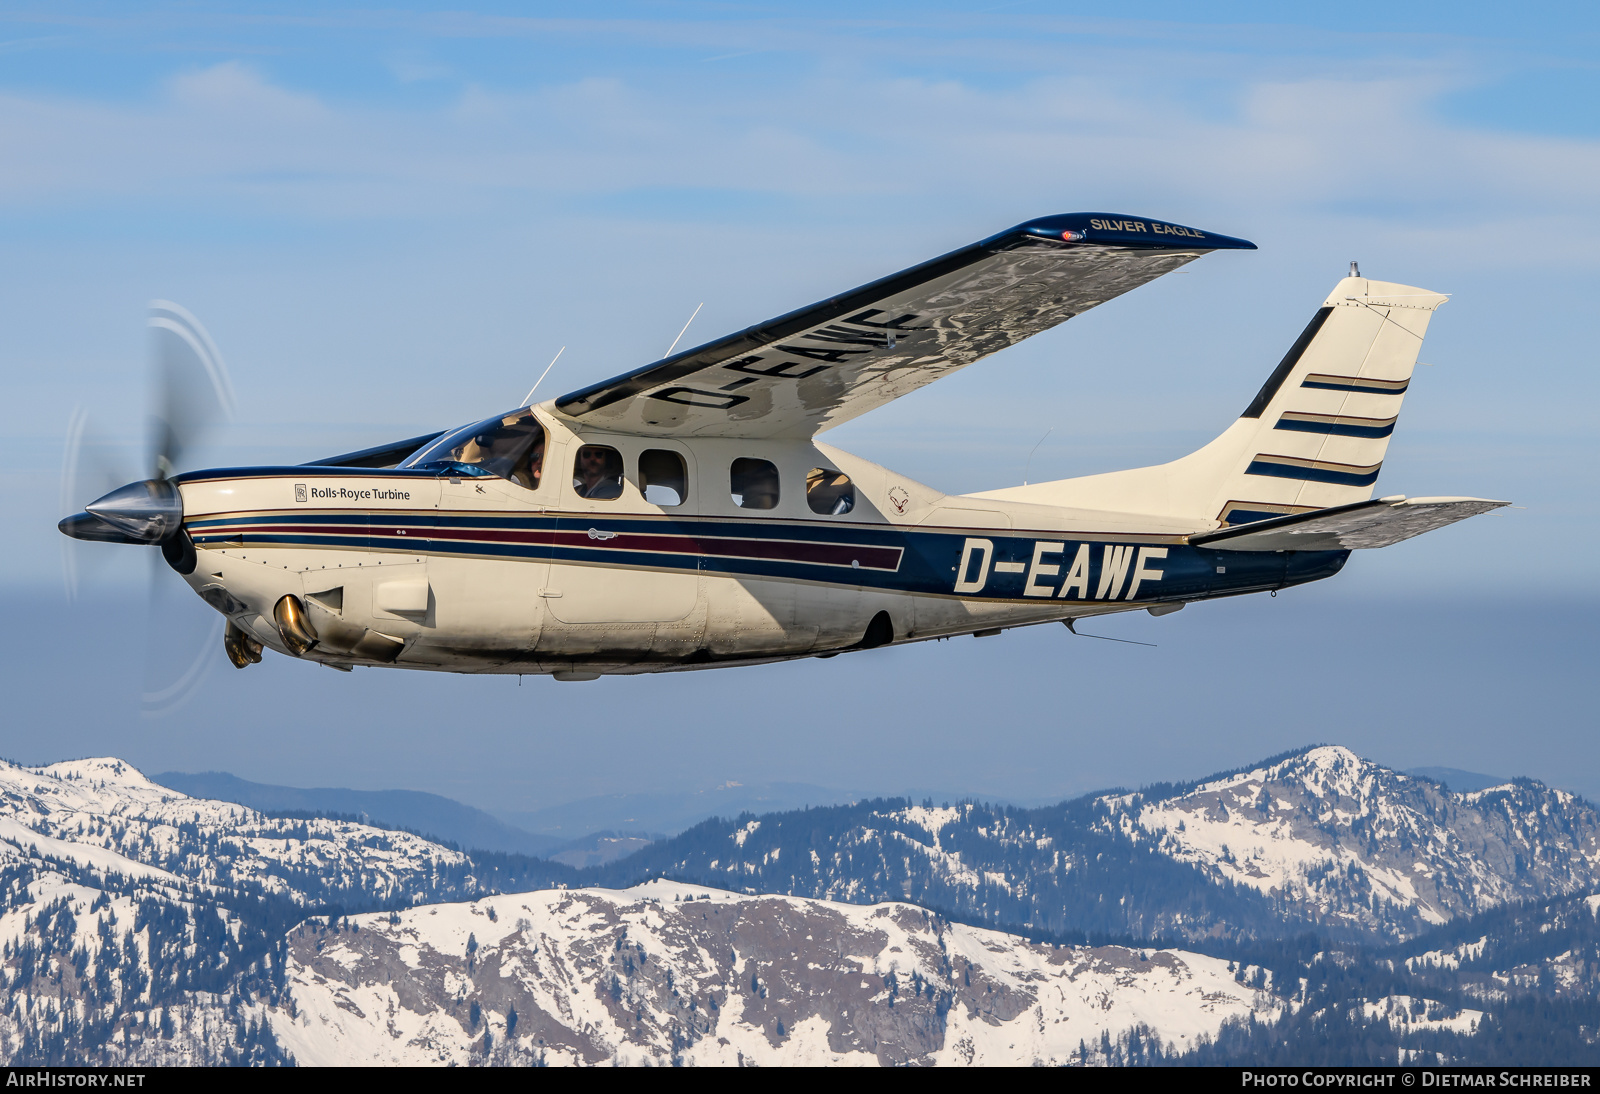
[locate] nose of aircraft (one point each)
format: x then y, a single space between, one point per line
147 511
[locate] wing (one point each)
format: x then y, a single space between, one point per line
1347 527
812 369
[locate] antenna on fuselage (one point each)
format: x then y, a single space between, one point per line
529 400
1105 637
1027 467
685 330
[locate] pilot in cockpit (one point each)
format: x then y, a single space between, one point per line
532 471
511 446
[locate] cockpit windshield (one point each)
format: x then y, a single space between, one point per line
510 446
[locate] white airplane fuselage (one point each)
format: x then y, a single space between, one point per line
414 568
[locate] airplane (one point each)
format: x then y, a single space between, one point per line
688 514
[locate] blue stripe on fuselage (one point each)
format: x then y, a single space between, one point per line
926 560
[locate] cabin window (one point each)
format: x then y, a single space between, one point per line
663 478
597 473
510 446
753 483
829 492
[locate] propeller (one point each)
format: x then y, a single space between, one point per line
93 465
190 395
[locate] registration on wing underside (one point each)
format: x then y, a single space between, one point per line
814 368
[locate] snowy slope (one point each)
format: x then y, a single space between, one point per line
139 925
104 815
1321 840
674 973
1347 840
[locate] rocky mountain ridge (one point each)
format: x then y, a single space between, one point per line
668 973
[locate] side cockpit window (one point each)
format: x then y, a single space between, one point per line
597 473
663 478
753 483
510 446
830 493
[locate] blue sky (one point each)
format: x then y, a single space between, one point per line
391 218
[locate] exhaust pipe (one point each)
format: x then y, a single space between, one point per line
243 650
294 626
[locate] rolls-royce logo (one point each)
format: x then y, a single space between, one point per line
299 491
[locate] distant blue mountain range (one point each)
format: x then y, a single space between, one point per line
1462 782
668 814
428 814
587 832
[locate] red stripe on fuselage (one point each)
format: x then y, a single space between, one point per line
776 550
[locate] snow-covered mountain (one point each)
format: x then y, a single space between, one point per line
670 973
1345 840
103 816
141 925
138 925
1320 838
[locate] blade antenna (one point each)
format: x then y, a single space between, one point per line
685 330
1029 465
1106 638
529 400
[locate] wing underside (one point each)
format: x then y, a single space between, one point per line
812 369
1347 527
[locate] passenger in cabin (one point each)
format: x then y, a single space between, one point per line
597 473
829 492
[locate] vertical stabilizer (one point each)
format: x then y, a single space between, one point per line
1314 436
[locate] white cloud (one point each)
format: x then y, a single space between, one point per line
1369 146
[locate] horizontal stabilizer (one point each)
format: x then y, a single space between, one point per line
1347 527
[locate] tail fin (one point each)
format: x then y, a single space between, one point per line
1314 436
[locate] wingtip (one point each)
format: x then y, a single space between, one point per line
1122 229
